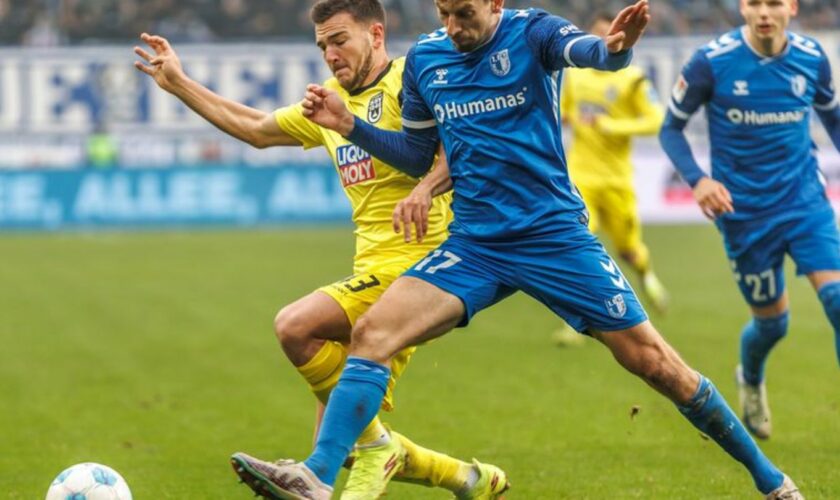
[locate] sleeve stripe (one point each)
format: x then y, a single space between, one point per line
567 52
829 105
418 124
682 115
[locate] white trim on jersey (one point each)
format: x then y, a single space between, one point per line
433 38
418 124
829 105
567 52
682 115
804 48
723 50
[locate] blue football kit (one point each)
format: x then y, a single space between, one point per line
519 222
759 110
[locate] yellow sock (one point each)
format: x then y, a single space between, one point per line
432 468
324 369
373 432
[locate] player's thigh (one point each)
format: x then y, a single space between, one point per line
314 316
442 291
621 219
580 282
757 264
410 312
814 245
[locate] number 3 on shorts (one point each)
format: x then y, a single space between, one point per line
450 260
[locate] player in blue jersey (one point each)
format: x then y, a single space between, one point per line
486 85
765 193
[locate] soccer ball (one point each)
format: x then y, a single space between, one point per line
89 481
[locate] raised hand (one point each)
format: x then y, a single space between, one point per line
164 66
325 107
713 197
628 26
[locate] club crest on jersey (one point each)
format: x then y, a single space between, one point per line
500 62
799 85
616 306
375 108
355 165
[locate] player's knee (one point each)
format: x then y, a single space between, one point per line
291 327
370 339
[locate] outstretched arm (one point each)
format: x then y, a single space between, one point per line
247 124
411 151
559 43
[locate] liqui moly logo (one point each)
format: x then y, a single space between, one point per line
355 165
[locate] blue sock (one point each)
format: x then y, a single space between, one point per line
757 339
352 405
830 297
708 411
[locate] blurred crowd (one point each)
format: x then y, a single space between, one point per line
74 22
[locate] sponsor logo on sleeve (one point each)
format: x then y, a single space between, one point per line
679 90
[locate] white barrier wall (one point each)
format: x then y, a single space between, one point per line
51 100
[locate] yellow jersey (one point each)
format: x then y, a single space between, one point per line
605 109
373 187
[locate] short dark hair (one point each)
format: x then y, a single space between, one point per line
361 10
598 16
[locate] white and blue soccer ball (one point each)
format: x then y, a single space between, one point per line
89 481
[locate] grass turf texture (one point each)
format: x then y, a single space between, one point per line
153 353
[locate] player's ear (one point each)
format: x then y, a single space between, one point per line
794 7
377 34
497 6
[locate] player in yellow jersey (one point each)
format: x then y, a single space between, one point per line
604 111
313 330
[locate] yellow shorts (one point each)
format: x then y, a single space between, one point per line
615 208
356 294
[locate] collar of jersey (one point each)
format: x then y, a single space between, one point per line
762 58
480 48
375 82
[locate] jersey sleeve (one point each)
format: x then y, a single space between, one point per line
560 44
291 120
415 113
826 97
693 88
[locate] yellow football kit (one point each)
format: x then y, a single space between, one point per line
604 110
373 188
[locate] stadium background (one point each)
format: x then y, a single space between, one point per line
152 352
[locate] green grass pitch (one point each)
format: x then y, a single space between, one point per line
154 353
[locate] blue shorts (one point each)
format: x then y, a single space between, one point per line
757 249
570 272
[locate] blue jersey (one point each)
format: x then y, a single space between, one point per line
496 109
758 110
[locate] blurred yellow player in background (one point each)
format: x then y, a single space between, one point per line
604 110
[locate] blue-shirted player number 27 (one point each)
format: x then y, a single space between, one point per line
448 259
762 285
